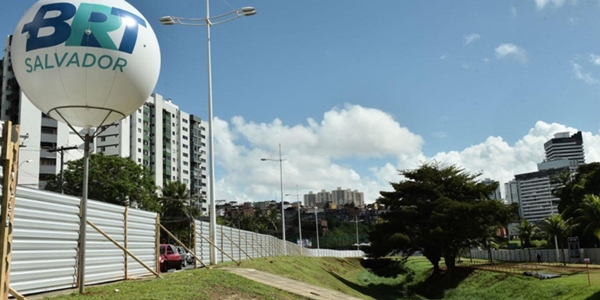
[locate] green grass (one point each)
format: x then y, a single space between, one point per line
370 279
192 284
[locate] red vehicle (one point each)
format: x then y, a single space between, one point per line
169 258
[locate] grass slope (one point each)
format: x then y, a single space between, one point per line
367 279
192 284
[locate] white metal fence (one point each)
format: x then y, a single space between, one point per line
546 255
241 244
45 242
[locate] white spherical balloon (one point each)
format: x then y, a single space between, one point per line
87 63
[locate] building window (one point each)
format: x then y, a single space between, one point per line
185 172
103 139
185 121
185 146
139 130
139 150
185 163
139 160
185 155
139 140
185 129
185 137
48 130
139 120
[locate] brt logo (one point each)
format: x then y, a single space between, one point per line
90 27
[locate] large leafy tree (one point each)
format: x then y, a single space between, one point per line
572 192
589 215
112 179
527 231
439 210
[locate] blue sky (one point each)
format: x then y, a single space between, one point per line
355 90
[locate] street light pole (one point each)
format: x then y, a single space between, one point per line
282 204
299 219
209 21
356 221
317 230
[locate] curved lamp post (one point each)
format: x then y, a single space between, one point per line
280 160
209 21
299 218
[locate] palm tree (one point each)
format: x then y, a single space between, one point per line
526 232
556 226
589 214
177 210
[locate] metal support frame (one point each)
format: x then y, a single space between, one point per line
211 243
181 244
10 161
239 248
125 241
123 248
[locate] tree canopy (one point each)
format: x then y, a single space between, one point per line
439 210
112 179
573 192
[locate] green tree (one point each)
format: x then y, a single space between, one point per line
438 210
527 231
177 210
556 226
572 193
112 179
589 215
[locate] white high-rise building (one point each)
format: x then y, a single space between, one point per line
496 194
564 153
169 141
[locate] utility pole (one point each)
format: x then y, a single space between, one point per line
62 158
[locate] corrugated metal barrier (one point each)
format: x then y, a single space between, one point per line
45 237
234 242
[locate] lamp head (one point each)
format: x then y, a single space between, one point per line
263 159
167 20
248 11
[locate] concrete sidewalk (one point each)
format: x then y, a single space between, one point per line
290 285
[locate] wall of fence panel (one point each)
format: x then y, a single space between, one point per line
234 242
46 230
547 255
45 242
141 241
103 260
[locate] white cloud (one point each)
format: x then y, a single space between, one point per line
581 75
465 66
572 21
443 56
513 12
470 38
512 51
345 149
595 59
440 134
540 4
486 60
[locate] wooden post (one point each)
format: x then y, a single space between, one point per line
223 252
10 163
239 248
125 216
157 241
194 241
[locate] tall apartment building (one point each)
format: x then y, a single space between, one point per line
339 197
564 153
41 136
169 141
511 192
563 146
310 199
496 194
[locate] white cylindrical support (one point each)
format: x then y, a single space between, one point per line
299 221
211 155
282 204
83 210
